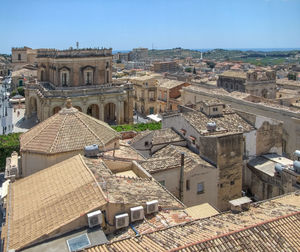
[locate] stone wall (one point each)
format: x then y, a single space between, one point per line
290 119
230 165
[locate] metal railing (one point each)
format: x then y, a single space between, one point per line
47 89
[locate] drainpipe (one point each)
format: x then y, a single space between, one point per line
181 177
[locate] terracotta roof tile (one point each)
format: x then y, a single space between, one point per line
46 201
229 122
67 130
169 157
235 232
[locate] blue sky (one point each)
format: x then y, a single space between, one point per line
122 24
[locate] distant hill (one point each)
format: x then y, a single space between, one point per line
251 56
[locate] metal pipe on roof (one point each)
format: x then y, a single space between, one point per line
181 177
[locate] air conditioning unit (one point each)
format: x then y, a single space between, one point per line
136 213
94 218
152 206
122 220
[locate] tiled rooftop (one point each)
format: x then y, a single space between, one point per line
153 222
164 136
41 204
229 122
234 74
281 234
137 191
130 190
167 83
270 218
212 102
169 157
125 152
67 130
288 82
140 135
240 96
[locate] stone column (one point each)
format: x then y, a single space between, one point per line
130 108
101 110
120 111
27 104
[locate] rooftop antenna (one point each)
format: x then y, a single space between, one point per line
77 45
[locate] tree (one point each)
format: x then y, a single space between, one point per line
8 144
188 69
21 91
211 64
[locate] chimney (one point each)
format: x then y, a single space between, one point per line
181 177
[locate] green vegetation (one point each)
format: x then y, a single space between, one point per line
8 144
210 64
258 58
138 126
292 76
19 90
188 69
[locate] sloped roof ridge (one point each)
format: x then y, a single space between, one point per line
89 128
47 123
91 173
58 133
236 231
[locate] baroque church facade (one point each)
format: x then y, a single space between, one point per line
83 75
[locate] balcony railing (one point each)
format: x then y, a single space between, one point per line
47 89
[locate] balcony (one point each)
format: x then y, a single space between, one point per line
46 89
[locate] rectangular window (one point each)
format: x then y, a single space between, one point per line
187 184
215 109
64 79
200 188
88 78
162 182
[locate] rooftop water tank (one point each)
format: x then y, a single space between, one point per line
91 150
211 126
278 167
297 166
297 153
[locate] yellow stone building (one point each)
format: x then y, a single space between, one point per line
84 75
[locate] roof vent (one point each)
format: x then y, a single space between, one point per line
94 218
91 150
297 154
136 213
122 220
240 204
152 206
296 166
211 126
279 167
